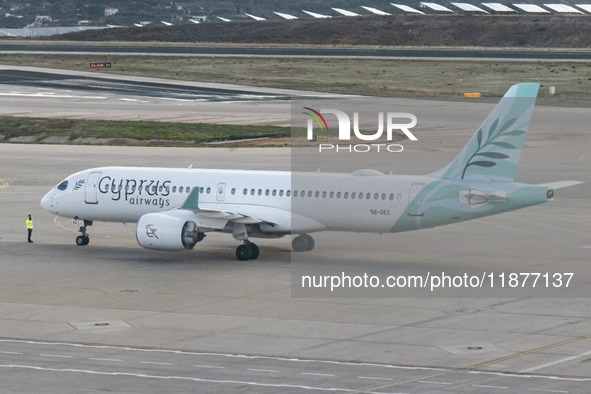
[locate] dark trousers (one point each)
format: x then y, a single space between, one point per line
30 230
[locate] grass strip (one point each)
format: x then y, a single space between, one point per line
72 131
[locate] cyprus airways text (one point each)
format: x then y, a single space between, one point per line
137 191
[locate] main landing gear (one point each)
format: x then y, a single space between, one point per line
247 251
83 239
303 243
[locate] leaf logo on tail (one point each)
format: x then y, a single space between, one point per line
489 148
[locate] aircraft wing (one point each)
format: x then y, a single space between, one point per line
216 215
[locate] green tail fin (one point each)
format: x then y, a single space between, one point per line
493 153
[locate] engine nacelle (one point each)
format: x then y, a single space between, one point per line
164 231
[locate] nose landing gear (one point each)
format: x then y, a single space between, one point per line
83 239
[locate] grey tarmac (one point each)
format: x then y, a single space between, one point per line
113 316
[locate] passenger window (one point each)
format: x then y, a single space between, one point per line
376 196
317 194
188 189
280 193
252 192
324 194
383 196
391 196
245 191
233 190
159 189
368 196
274 192
267 192
339 195
208 190
181 189
201 190
353 195
331 194
174 189
260 192
287 193
346 195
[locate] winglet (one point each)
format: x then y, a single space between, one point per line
192 201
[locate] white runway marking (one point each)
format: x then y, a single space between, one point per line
51 95
431 382
560 361
155 363
318 374
484 386
186 378
115 360
374 378
208 366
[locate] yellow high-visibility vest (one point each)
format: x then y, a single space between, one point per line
29 224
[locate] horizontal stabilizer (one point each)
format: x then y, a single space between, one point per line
560 184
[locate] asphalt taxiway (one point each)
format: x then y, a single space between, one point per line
396 53
113 316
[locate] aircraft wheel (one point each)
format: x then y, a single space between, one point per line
309 242
254 251
299 244
303 243
82 240
244 252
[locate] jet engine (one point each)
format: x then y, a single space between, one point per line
164 231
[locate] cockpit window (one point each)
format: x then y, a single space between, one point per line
63 186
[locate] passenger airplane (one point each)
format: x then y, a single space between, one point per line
175 208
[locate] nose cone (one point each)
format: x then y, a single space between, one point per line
47 202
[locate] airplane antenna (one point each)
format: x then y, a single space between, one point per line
190 166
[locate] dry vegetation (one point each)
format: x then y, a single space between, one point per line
372 77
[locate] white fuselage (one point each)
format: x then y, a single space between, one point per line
323 201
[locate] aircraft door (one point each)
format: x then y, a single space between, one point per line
415 190
221 192
92 188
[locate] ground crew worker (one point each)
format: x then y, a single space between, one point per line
30 228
